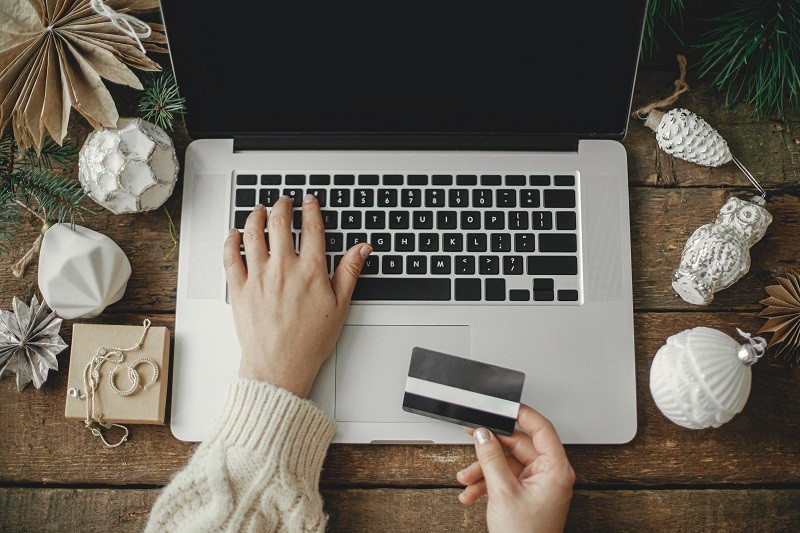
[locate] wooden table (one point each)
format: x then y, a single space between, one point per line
745 475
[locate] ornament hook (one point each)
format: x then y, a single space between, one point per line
97 431
750 177
751 352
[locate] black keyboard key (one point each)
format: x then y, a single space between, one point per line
422 220
543 284
482 197
416 264
404 242
246 179
465 264
559 198
296 195
558 242
295 179
417 179
422 289
368 179
399 220
240 218
518 220
340 198
524 242
245 197
453 242
495 290
268 197
506 198
428 242
491 180
567 296
270 179
381 242
500 242
476 242
434 197
446 220
440 265
370 265
489 265
297 219
519 295
512 265
334 242
470 220
515 180
468 290
351 220
387 197
330 219
539 181
411 198
344 179
321 194
529 198
363 198
543 296
355 238
375 219
466 180
392 264
552 265
566 220
442 180
319 179
494 220
541 220
458 198
393 179
564 181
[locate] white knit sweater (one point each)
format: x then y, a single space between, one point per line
258 471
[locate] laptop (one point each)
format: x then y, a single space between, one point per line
476 147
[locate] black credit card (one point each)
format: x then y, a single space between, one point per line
463 391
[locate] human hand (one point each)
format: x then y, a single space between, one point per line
530 489
288 314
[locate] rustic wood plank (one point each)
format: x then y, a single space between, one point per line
433 510
39 446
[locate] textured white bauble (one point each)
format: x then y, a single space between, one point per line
130 169
81 271
701 377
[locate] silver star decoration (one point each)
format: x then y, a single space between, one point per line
29 342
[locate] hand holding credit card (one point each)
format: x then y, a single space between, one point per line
463 391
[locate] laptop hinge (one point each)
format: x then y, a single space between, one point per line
514 143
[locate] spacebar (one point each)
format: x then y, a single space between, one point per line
418 289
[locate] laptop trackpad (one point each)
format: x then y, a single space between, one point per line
372 366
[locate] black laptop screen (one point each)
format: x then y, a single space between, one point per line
445 68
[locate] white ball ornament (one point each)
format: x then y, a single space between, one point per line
701 377
81 271
130 169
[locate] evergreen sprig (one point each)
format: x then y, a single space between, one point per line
161 100
661 14
754 54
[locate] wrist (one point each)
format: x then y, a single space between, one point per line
284 378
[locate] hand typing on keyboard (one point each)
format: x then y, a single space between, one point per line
288 312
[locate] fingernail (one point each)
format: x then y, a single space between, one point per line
233 231
365 251
259 207
459 474
307 198
481 436
462 495
284 197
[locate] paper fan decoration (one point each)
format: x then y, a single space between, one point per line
54 55
783 317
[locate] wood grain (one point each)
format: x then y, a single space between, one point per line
431 510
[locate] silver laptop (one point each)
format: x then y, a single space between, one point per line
476 148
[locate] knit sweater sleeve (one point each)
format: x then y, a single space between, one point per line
258 471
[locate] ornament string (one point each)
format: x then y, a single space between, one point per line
752 351
127 24
19 268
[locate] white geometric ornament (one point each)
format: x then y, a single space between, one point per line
81 271
130 169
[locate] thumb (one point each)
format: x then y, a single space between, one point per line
498 475
346 275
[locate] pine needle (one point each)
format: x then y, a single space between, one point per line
161 100
661 14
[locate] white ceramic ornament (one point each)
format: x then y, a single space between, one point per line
701 377
130 169
81 271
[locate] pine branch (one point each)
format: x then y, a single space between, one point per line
9 218
661 14
161 100
52 156
56 197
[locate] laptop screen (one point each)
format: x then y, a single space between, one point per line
405 68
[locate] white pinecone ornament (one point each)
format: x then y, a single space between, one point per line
683 134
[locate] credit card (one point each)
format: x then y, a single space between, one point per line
463 391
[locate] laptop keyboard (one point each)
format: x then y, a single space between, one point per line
440 237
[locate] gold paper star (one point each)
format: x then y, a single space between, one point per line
783 317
